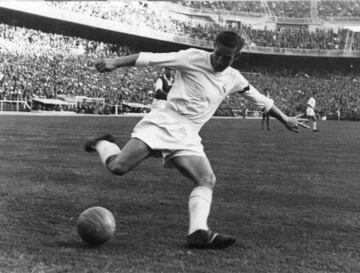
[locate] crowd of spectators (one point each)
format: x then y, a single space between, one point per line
338 8
292 93
297 9
142 15
299 38
291 9
356 41
133 13
30 68
233 6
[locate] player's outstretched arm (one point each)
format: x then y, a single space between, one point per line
264 103
110 64
291 123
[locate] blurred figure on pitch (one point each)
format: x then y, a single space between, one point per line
338 108
266 116
162 87
310 112
203 80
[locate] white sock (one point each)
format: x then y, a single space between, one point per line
314 125
199 208
106 149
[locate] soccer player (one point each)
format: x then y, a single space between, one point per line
162 87
310 112
202 80
266 116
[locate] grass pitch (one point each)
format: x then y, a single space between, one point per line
292 200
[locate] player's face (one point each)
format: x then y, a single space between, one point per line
223 57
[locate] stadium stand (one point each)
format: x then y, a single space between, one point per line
223 6
294 8
339 9
146 15
48 65
35 64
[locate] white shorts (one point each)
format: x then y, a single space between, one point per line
170 133
310 112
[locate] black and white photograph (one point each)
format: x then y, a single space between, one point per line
180 136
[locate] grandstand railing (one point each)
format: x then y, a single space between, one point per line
341 19
117 109
297 21
302 52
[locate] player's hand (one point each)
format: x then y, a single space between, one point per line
105 65
293 124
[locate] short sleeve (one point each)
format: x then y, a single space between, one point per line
172 59
240 84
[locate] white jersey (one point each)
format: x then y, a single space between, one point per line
311 106
198 89
312 102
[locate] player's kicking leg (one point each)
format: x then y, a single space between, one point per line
118 161
199 170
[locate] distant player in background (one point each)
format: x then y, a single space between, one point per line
310 111
162 87
203 80
338 108
266 116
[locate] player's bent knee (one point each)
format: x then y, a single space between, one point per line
116 167
208 181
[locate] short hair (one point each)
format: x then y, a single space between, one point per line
230 39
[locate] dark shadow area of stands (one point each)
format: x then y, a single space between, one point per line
301 63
